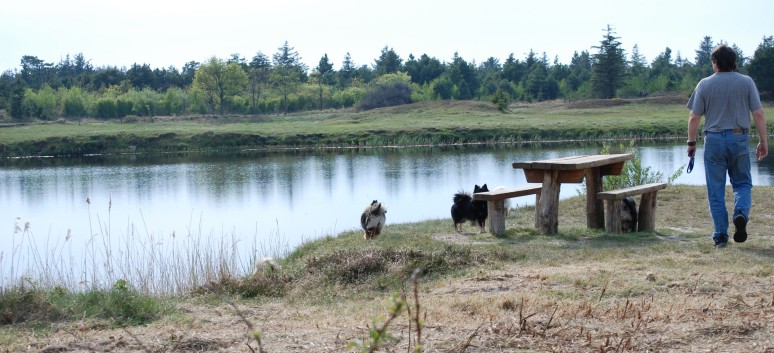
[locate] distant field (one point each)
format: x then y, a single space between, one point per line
442 122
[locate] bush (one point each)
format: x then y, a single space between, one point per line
386 95
501 100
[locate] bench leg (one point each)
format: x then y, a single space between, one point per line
613 216
537 210
497 212
647 215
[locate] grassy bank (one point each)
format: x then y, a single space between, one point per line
443 122
580 291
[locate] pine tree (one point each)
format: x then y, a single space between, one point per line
609 66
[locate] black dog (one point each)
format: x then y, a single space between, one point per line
465 209
629 215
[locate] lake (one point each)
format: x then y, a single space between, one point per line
79 210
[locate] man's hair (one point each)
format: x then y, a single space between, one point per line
724 57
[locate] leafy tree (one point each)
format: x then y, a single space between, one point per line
220 81
258 77
388 62
608 67
40 104
73 102
761 67
288 73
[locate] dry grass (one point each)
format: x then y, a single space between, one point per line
581 291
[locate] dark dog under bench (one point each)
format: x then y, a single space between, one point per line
495 202
646 218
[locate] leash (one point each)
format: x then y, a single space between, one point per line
690 162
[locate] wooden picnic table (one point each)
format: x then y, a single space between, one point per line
553 172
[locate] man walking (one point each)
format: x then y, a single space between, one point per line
726 99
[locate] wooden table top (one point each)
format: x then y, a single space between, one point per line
574 162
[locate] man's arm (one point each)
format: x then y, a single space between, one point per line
760 125
693 129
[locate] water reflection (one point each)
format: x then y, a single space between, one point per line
293 195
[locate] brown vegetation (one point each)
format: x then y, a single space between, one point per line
580 291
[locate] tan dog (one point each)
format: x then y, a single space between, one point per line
372 220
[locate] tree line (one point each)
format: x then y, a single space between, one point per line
73 88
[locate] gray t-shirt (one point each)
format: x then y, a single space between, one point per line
726 100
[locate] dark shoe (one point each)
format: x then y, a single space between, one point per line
721 241
740 222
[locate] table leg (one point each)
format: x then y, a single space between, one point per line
549 203
595 209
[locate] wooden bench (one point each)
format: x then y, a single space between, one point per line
646 217
495 203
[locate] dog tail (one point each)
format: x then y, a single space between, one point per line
462 196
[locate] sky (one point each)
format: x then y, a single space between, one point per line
164 33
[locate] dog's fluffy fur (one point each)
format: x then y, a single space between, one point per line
465 209
372 220
629 215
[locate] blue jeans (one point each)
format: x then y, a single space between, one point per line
727 152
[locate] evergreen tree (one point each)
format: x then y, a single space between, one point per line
513 69
17 99
258 77
463 76
702 61
388 62
424 70
324 75
347 71
761 67
288 73
608 67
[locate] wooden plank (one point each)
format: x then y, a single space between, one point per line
507 193
631 191
574 162
534 175
565 176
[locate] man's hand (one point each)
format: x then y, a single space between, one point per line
762 151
